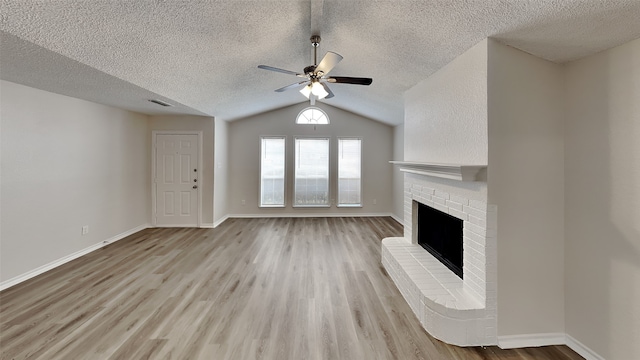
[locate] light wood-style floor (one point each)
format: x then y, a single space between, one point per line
309 288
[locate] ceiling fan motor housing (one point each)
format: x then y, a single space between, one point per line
310 70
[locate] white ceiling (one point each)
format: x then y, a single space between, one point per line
202 56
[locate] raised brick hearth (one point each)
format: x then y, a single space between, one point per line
457 311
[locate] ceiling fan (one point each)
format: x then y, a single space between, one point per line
316 75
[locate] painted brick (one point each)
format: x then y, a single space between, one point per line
440 207
473 237
480 224
458 214
480 205
478 221
473 211
474 228
428 190
459 199
454 205
442 194
440 201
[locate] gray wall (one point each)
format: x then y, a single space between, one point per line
398 176
221 172
67 163
602 194
525 180
244 160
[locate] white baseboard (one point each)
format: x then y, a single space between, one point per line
44 268
207 226
531 340
581 349
400 221
535 340
220 221
308 215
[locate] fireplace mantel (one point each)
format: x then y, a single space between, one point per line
447 171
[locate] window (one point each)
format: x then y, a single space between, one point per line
311 172
313 116
349 170
272 171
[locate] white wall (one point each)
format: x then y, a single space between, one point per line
525 180
446 114
398 176
221 172
244 159
67 163
602 179
195 123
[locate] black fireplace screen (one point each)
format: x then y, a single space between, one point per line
441 235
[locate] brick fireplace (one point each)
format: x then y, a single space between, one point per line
457 311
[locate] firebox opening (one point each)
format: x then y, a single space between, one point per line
441 235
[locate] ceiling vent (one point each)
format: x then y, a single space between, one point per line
160 102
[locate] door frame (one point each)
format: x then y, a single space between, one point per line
154 134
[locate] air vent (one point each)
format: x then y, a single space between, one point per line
160 102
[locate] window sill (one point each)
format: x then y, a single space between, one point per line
271 206
311 206
349 206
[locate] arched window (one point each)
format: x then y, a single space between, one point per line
313 116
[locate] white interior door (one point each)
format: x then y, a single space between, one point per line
176 180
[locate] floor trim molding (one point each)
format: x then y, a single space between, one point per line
397 218
581 349
302 215
65 259
547 339
531 340
220 221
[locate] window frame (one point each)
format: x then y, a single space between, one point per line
329 201
312 108
338 204
284 180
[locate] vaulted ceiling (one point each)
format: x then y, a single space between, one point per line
202 56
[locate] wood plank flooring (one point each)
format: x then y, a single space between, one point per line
307 288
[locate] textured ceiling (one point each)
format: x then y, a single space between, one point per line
202 56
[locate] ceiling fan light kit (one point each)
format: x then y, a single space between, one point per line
315 86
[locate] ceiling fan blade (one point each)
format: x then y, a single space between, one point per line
271 68
328 62
292 86
349 80
326 88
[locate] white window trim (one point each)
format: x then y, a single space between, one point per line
293 202
285 172
312 108
338 172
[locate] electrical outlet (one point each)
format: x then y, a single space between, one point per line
243 202
85 229
375 201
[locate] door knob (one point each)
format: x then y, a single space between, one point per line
195 186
